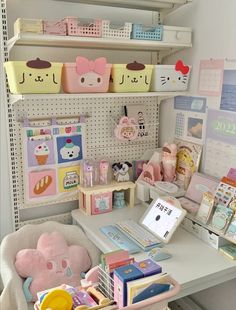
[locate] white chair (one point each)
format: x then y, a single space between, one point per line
12 297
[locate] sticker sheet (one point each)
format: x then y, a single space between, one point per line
52 157
220 143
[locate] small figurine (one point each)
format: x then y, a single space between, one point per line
121 171
119 199
169 160
103 171
88 174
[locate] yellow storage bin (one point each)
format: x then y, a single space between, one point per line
132 77
34 76
28 25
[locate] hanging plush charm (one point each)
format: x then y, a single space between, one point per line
127 129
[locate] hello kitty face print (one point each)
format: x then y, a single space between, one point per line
171 78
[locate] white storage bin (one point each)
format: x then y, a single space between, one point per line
187 224
167 78
213 239
142 190
196 229
110 30
172 34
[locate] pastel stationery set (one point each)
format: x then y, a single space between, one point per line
51 157
147 287
199 184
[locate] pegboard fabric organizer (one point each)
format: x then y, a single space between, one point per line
52 156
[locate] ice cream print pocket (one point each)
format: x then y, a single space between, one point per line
40 152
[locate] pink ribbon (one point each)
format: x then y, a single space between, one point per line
83 65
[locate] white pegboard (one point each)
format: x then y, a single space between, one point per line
100 142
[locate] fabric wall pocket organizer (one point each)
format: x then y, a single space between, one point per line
51 157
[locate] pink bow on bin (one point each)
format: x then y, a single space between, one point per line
83 65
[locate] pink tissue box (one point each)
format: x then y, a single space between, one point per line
86 76
56 28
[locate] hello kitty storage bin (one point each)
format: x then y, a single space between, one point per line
171 77
34 76
86 76
132 77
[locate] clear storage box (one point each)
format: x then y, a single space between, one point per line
133 77
34 77
28 25
54 27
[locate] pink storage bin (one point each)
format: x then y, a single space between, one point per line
86 76
83 27
54 27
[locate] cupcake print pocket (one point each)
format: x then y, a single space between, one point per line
40 153
69 148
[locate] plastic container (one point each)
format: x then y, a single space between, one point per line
28 26
110 30
34 77
85 76
133 77
83 27
172 34
167 78
141 32
54 27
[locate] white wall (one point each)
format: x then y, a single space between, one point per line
214 24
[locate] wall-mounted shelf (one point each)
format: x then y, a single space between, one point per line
149 5
98 43
161 95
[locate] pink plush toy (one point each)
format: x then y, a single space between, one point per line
169 161
53 263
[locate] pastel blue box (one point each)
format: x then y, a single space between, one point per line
121 276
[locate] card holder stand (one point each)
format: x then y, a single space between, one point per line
51 162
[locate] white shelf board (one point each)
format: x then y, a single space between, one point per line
98 43
16 98
150 5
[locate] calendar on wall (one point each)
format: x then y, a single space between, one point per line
220 143
190 118
210 77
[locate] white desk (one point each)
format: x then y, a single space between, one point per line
195 265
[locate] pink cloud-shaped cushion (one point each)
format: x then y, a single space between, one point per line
52 263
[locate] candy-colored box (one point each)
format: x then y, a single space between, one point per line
28 25
34 76
167 78
86 76
132 77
